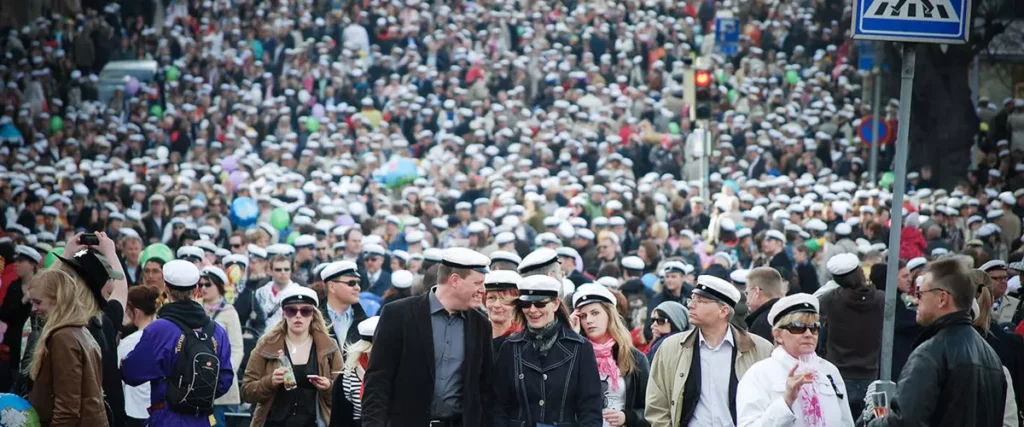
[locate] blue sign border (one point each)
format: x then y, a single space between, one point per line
910 30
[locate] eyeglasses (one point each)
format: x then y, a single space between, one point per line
538 304
292 311
920 291
236 245
351 283
659 320
205 284
798 328
282 270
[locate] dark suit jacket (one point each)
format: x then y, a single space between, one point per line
153 231
378 289
400 376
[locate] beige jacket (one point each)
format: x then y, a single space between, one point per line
228 319
672 364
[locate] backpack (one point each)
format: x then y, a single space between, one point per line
192 385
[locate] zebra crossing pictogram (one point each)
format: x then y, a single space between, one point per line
921 10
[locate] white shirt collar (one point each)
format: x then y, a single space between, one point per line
728 339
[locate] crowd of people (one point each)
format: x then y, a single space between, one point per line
452 213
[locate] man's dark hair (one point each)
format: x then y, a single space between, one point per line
852 280
951 275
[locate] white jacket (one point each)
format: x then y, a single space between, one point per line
760 401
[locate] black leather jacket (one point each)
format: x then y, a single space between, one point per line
952 378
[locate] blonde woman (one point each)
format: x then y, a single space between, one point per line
794 387
348 395
623 369
66 364
301 338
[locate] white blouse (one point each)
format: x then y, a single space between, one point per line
760 396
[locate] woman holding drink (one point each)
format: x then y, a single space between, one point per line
292 366
794 387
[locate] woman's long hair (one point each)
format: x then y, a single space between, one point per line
354 352
73 305
280 330
982 285
623 340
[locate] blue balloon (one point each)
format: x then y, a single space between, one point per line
649 280
371 303
244 212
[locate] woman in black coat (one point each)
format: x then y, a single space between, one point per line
547 373
622 368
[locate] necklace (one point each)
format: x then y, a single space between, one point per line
294 348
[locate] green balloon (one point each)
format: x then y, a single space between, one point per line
56 124
792 77
733 95
156 251
173 73
312 124
291 237
280 219
52 257
887 179
156 111
673 128
720 76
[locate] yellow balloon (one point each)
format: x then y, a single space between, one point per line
235 274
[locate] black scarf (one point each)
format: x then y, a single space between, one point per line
544 338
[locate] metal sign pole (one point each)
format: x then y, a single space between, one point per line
705 165
896 214
876 105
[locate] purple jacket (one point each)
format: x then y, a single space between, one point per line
153 360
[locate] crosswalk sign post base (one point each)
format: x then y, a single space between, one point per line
896 213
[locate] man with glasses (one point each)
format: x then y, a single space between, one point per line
764 289
851 318
695 373
953 377
376 280
341 308
1005 305
237 243
268 298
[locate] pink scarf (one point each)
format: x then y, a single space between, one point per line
606 362
809 403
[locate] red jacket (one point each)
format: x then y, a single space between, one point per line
912 243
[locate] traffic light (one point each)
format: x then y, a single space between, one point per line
702 85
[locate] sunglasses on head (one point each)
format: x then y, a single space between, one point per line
292 311
798 328
538 304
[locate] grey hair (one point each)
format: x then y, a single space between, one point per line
553 270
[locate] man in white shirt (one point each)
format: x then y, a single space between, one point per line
268 298
695 373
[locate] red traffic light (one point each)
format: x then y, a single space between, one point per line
702 78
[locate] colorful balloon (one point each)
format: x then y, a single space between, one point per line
244 212
312 124
280 219
673 128
792 77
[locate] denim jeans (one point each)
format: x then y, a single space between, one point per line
220 410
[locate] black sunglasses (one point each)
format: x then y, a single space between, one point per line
538 304
282 270
351 283
292 311
205 284
660 320
236 245
798 328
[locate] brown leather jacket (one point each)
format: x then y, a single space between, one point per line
68 391
258 388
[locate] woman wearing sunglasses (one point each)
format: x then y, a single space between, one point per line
502 294
211 288
622 369
301 338
667 319
546 375
793 387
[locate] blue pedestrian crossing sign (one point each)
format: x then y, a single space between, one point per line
727 35
915 21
